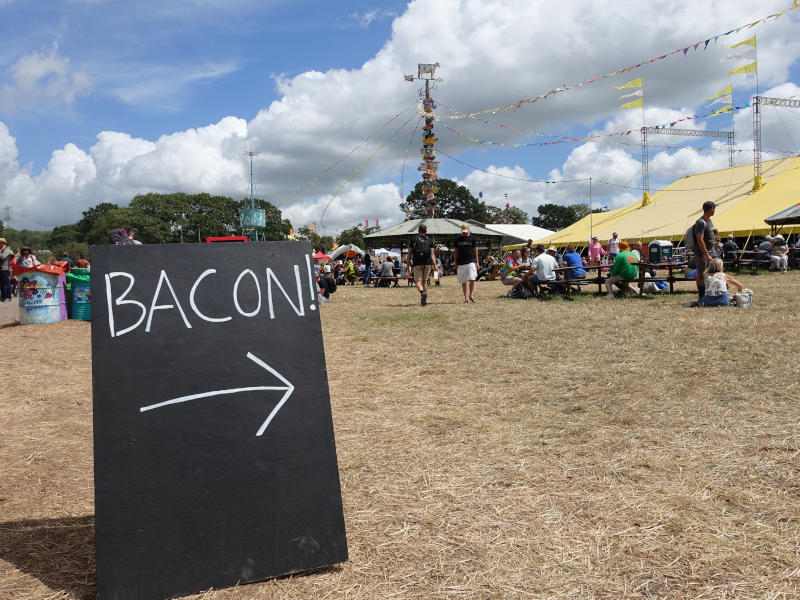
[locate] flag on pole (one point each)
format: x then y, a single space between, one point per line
724 109
751 68
721 100
635 83
635 104
636 93
727 90
750 42
746 55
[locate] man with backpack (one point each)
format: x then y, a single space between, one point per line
421 260
703 239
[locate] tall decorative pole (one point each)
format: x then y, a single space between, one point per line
429 165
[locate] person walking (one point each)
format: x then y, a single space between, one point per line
465 251
703 242
5 271
421 260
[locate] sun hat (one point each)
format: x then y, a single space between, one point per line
779 237
552 249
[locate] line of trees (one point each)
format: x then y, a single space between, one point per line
179 217
157 219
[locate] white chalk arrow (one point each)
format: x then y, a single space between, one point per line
288 389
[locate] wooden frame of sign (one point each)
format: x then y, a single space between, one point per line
215 461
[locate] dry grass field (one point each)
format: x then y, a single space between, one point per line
504 449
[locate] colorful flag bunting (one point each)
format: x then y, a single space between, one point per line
724 109
727 90
751 68
635 83
636 93
750 42
635 104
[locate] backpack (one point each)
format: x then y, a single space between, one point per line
421 249
690 238
331 284
521 292
119 237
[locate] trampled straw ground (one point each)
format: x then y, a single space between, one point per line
507 449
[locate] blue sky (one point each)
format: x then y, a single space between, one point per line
103 99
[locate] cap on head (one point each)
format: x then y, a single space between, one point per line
730 236
3 241
779 237
552 249
464 228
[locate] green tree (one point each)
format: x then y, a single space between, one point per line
90 216
318 242
65 234
556 216
453 201
355 235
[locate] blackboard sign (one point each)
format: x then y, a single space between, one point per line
214 453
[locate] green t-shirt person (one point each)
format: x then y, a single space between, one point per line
624 266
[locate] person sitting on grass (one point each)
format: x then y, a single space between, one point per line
717 285
623 272
573 259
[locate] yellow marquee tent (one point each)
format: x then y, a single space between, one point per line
671 211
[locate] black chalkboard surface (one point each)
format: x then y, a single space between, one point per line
214 453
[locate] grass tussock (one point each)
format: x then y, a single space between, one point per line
583 448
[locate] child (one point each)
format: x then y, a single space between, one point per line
717 285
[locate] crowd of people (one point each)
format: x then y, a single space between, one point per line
24 257
530 268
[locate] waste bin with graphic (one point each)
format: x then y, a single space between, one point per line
39 298
80 306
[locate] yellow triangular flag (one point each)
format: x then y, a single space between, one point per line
635 104
750 42
724 109
634 83
751 68
722 92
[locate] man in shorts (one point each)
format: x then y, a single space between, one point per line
465 251
704 240
420 261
